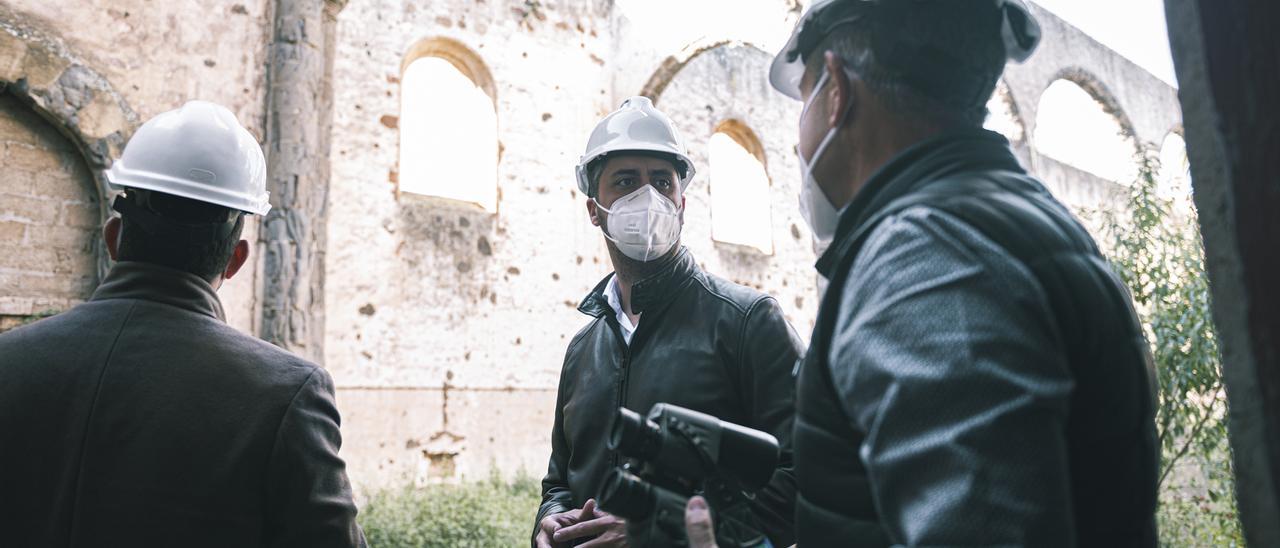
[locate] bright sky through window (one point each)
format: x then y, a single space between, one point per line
670 25
1175 169
739 195
1133 28
1000 117
1074 128
448 135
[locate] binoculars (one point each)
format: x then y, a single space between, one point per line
675 453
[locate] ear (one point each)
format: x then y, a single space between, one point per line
840 93
591 210
111 235
239 256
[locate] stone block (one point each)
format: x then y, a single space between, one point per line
28 209
10 322
61 237
28 259
50 305
59 185
71 264
31 158
13 181
44 283
12 52
81 215
102 117
12 232
14 128
16 306
43 67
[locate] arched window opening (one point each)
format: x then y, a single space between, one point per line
448 126
1175 168
740 212
1001 115
1074 127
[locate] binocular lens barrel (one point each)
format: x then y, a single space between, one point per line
627 496
634 436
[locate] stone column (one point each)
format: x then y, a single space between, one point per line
293 235
1226 54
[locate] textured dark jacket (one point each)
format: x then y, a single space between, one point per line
140 418
702 343
1104 429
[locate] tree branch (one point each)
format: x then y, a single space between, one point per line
1186 445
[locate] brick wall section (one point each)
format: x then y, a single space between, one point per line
48 218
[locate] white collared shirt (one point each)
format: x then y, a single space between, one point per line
613 294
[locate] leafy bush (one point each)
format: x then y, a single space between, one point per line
485 514
1159 255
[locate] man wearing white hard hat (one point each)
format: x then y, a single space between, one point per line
977 375
140 418
660 330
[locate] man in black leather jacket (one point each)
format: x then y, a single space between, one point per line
661 330
977 374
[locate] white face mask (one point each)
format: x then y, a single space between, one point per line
644 224
818 211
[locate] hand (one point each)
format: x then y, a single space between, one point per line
698 525
609 531
550 524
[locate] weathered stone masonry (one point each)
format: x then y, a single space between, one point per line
443 325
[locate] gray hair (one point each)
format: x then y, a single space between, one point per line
951 30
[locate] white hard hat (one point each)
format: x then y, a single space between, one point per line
1019 31
636 126
200 152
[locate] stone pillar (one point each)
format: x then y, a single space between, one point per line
1226 55
293 235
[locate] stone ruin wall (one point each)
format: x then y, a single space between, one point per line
445 325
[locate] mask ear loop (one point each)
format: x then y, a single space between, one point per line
831 133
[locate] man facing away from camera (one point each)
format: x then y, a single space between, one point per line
661 330
977 374
140 418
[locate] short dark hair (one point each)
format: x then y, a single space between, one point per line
959 43
596 168
207 259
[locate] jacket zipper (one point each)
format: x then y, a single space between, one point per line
622 379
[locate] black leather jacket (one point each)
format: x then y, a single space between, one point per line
703 343
1110 444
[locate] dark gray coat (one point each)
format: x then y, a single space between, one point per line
141 418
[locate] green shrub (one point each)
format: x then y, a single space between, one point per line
1159 255
490 513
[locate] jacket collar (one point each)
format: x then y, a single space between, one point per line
649 294
149 282
944 155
